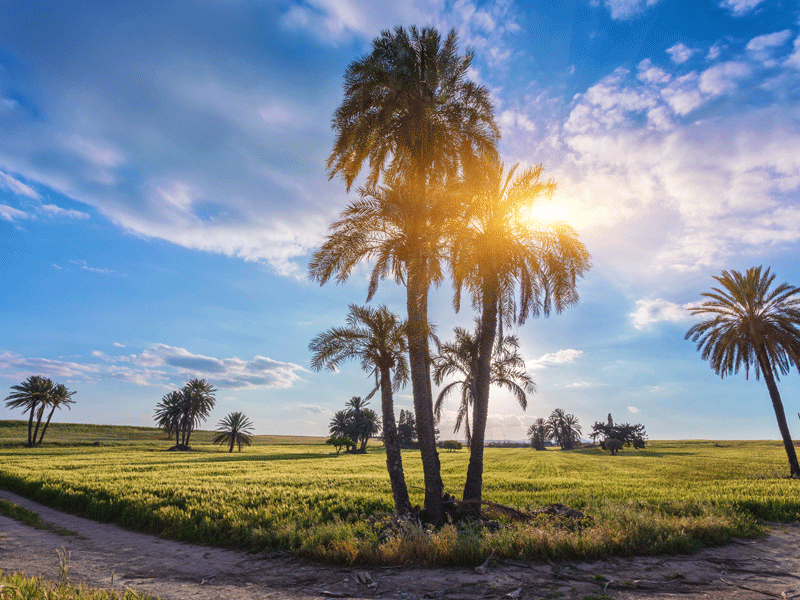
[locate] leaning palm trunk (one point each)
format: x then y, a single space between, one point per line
474 484
39 415
417 304
47 424
780 415
394 459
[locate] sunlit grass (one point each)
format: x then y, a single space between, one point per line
670 497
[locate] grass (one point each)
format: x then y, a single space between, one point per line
17 586
29 517
297 495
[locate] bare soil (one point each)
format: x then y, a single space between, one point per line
107 556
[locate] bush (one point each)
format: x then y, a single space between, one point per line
452 445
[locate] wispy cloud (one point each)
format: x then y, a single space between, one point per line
740 7
82 264
633 409
680 53
158 365
628 9
15 186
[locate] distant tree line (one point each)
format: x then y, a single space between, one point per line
560 428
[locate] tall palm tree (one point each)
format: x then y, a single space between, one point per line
32 395
235 429
409 111
377 337
460 357
751 324
59 397
498 252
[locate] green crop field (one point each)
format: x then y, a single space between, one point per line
295 493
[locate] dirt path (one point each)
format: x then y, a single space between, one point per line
108 556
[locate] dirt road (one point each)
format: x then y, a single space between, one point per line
108 556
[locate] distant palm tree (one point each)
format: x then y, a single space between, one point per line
198 400
750 324
235 429
32 395
59 397
168 414
500 251
539 434
564 429
460 358
410 111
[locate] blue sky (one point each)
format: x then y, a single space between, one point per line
162 185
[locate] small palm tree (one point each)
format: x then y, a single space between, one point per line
539 434
564 429
198 400
236 430
460 357
751 324
168 414
378 338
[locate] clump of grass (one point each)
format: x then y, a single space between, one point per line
16 586
31 518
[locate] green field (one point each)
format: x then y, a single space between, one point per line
294 493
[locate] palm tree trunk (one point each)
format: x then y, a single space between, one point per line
474 484
394 459
47 424
30 425
39 416
417 306
233 441
777 406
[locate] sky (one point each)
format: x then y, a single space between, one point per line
163 185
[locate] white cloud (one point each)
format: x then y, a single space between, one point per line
627 9
118 345
57 211
793 61
723 78
649 312
7 182
554 358
680 53
315 409
740 7
768 41
11 214
633 409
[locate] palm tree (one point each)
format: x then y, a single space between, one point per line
59 397
32 395
538 434
564 429
168 414
750 324
499 248
198 400
235 429
378 338
409 111
460 357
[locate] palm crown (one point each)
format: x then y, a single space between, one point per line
749 324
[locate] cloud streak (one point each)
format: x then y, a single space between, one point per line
159 365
